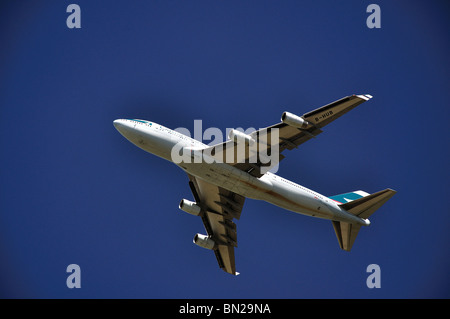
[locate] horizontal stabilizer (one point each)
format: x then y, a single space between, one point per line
346 234
362 207
365 206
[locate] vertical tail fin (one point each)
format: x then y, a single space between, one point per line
348 197
360 204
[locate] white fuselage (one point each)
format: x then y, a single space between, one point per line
160 141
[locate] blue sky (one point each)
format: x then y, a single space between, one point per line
74 191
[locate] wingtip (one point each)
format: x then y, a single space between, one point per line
365 96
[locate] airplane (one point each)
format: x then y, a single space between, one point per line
220 186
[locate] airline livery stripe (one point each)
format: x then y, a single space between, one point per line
348 197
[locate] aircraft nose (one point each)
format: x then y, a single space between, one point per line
118 124
122 126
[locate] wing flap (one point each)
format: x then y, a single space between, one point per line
219 207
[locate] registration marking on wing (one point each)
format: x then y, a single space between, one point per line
324 115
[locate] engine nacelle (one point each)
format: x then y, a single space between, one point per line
204 241
238 136
190 207
294 120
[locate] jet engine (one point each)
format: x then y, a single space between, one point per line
204 241
294 120
190 207
238 136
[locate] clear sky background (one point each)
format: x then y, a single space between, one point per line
74 191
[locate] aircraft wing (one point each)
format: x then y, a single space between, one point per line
219 207
289 137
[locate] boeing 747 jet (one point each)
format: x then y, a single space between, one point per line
222 176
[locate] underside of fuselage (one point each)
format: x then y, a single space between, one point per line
266 188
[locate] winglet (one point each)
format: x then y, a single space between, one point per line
365 96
